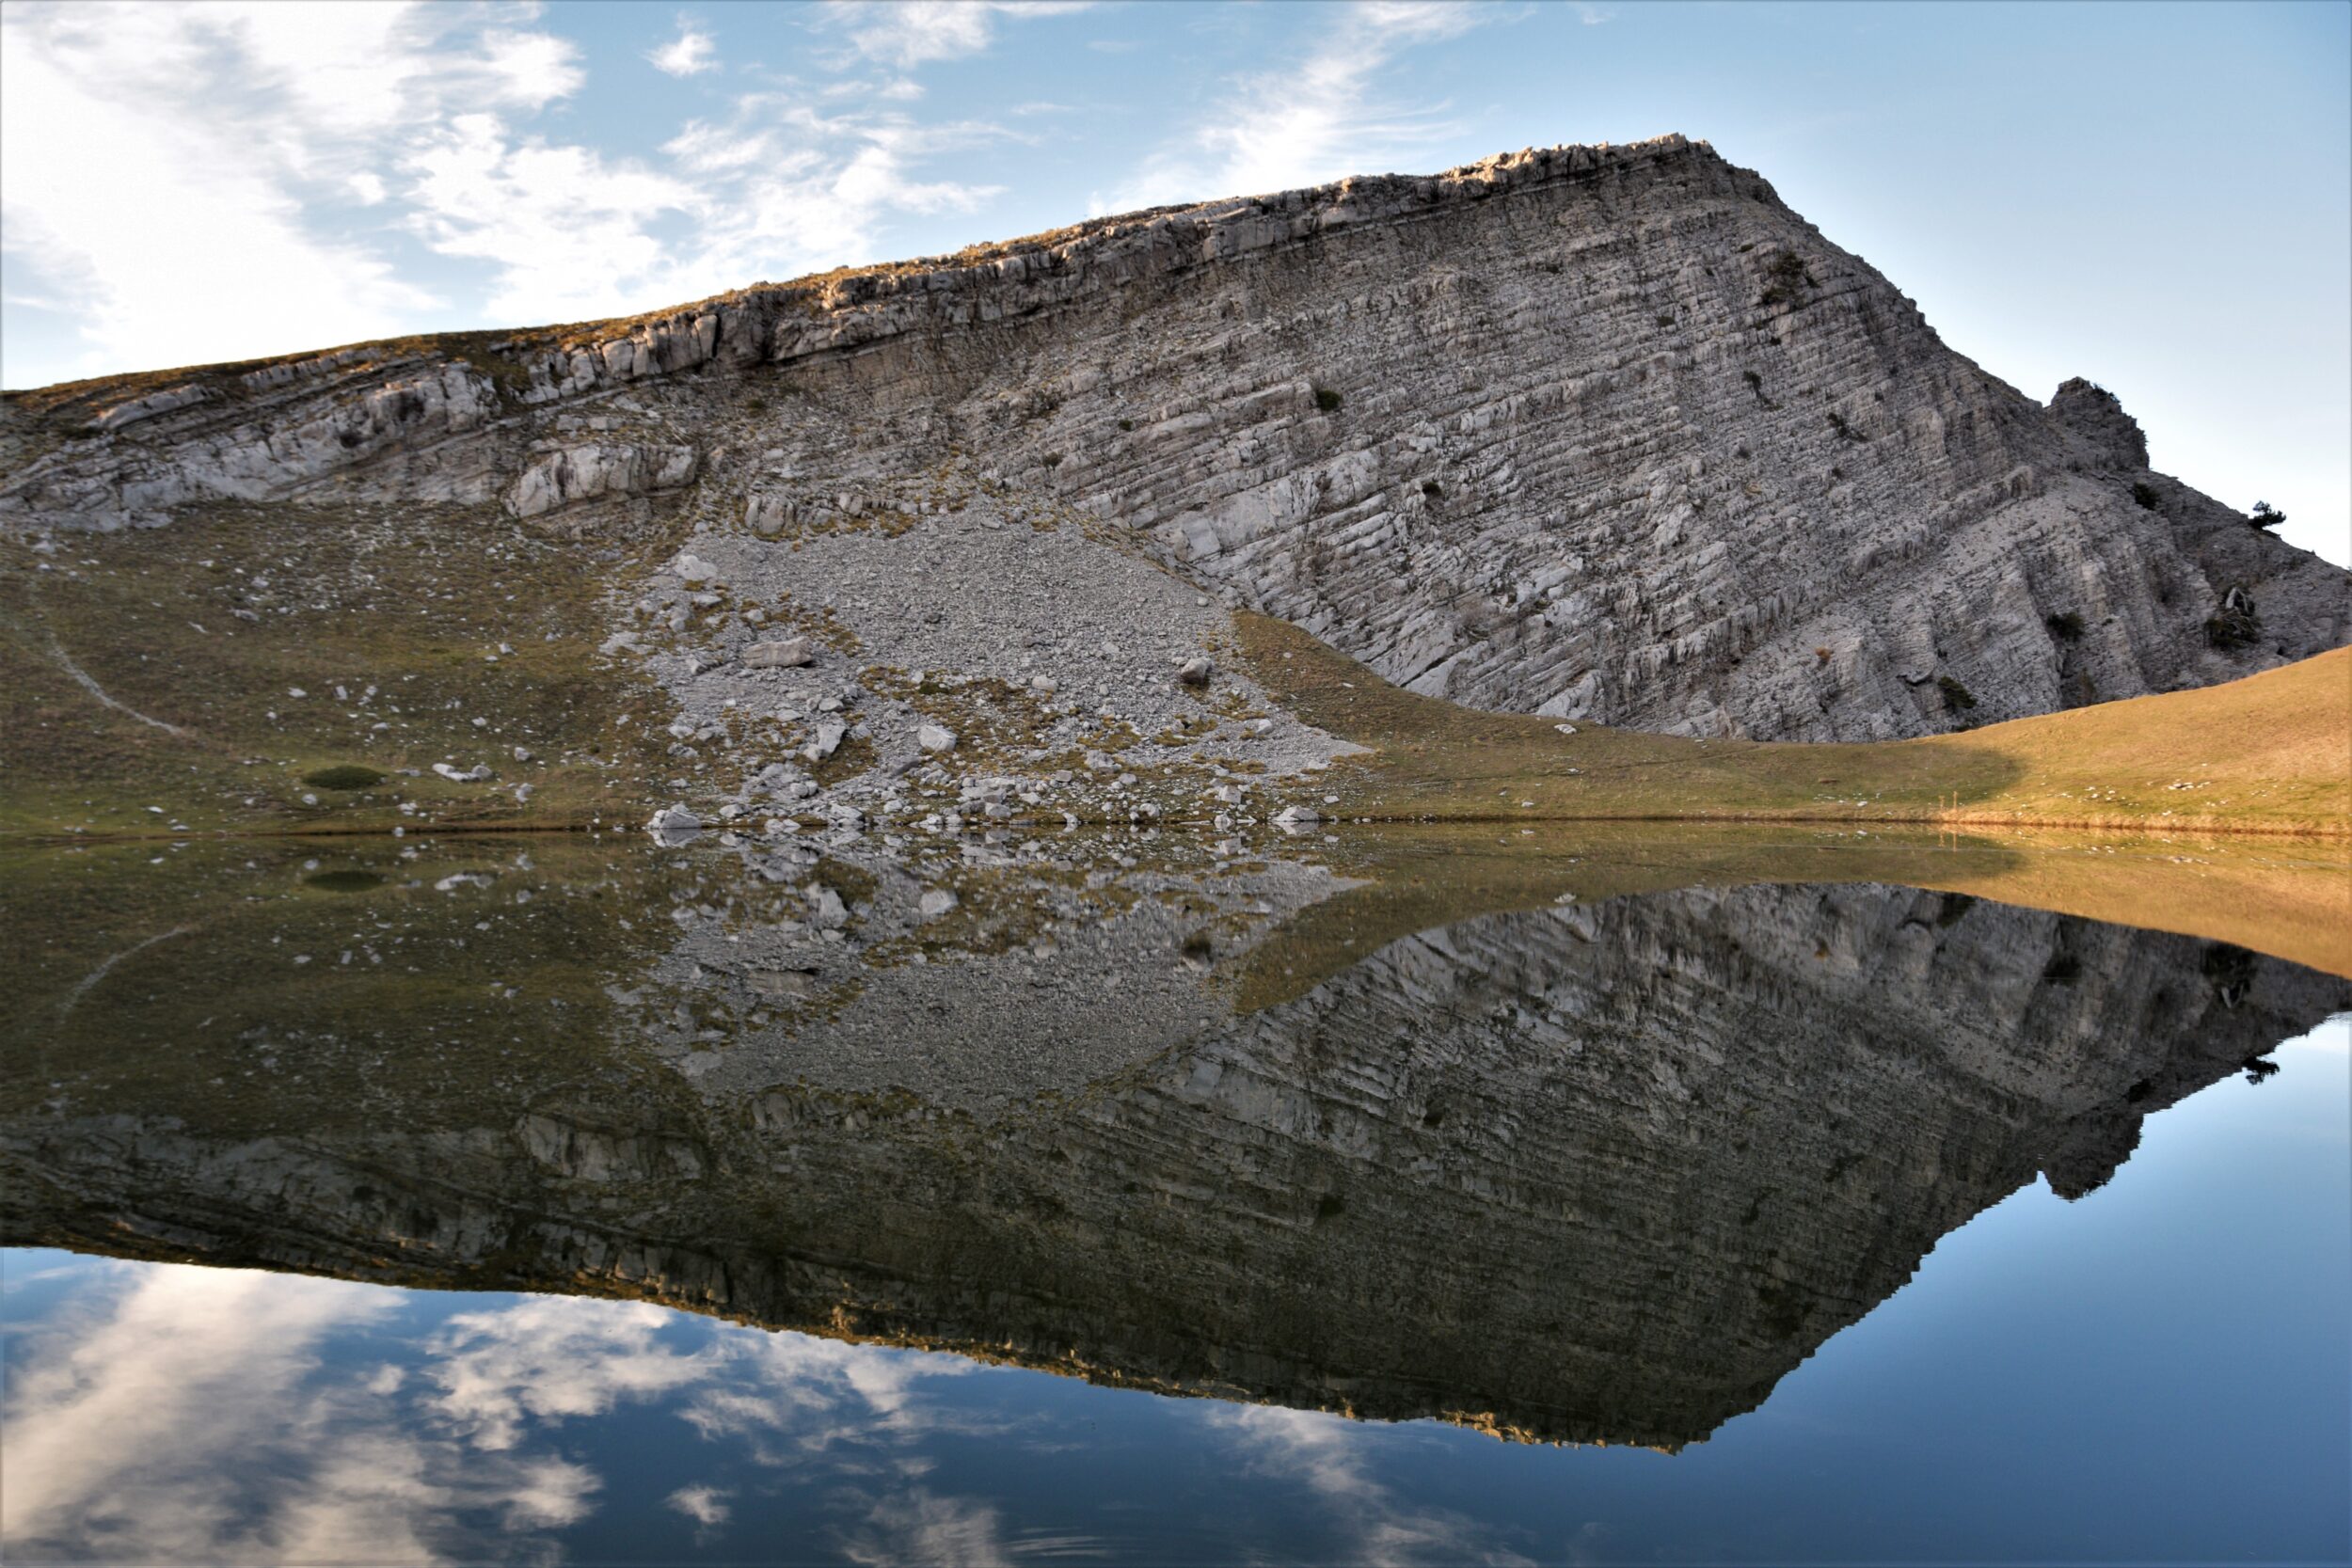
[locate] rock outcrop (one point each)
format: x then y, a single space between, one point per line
1587 1173
1608 433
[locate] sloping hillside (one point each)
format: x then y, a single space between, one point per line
1604 434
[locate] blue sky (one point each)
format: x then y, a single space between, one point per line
2157 198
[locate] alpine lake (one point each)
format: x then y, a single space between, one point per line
1589 1193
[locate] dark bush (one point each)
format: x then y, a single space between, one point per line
2237 624
343 775
2144 493
2066 627
1956 696
1328 399
2264 516
1126 424
1789 279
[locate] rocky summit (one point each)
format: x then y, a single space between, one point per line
1604 434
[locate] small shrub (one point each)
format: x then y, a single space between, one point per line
2266 516
1789 279
1434 490
1126 424
755 405
1328 399
2066 627
343 775
2144 493
2236 624
1956 696
1820 656
1665 318
1052 460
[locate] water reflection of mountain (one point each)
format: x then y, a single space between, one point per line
1588 1173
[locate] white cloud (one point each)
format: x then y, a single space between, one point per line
1315 121
910 33
706 1506
175 220
205 208
690 54
569 234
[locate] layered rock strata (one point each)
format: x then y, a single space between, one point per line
1591 1173
1604 433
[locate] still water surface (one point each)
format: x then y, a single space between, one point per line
1658 1204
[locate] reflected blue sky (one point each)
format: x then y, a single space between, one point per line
2159 1372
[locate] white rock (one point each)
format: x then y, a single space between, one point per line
787 653
673 825
827 741
935 738
936 902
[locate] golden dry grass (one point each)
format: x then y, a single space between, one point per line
2270 754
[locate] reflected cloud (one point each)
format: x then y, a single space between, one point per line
1327 1453
550 1358
175 1413
118 1417
916 1528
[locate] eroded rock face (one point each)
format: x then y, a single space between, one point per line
1602 432
1584 1173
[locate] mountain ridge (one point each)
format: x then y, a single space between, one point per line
1606 433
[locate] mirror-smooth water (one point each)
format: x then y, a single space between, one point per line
1653 1200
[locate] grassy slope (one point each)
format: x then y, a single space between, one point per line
413 602
2270 754
416 601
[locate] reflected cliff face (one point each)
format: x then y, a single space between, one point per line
1601 1169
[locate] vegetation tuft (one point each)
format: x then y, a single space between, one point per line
343 775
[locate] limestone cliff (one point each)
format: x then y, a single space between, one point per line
1603 433
1603 1173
